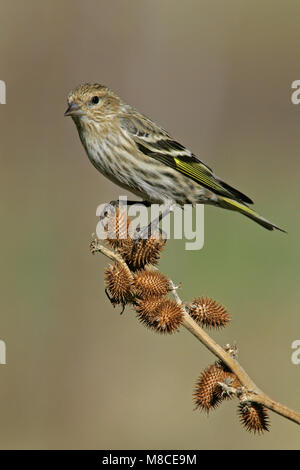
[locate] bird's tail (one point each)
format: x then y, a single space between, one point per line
231 204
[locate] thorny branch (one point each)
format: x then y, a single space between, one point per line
248 391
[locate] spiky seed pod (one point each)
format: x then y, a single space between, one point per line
229 379
117 229
145 252
126 248
161 315
208 313
232 382
147 310
169 317
150 284
254 417
119 283
148 307
208 393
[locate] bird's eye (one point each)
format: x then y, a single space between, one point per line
95 99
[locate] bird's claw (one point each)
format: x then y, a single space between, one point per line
146 232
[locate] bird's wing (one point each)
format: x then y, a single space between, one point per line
156 143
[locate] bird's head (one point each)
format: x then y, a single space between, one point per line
92 103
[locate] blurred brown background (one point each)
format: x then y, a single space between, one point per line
217 75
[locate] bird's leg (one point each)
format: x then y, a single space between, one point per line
144 232
112 205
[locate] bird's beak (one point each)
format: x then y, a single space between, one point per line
73 110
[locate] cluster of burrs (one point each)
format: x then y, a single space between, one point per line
217 384
134 279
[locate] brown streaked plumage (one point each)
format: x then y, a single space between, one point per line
140 156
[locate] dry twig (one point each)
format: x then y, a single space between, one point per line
224 379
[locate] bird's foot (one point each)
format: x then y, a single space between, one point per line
151 230
110 208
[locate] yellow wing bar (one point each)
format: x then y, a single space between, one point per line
194 171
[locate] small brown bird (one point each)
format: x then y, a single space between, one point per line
140 156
